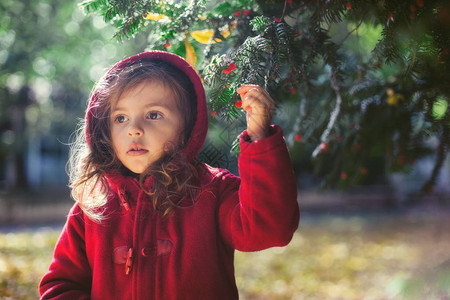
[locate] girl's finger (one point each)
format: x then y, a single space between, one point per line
245 88
261 95
249 103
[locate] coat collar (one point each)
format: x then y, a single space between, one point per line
117 181
127 188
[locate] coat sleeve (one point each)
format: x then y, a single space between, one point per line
69 274
262 210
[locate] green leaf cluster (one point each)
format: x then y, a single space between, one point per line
360 82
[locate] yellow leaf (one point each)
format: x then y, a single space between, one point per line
203 36
392 100
206 36
155 17
191 57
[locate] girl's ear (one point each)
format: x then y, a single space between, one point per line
182 137
171 146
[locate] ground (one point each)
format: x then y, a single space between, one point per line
379 254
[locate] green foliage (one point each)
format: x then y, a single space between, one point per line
439 108
259 23
129 17
362 79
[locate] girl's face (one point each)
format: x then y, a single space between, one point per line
144 120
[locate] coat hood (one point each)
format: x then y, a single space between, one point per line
199 131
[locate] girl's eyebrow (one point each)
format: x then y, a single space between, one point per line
157 104
150 105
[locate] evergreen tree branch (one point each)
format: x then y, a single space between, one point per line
300 59
334 114
284 10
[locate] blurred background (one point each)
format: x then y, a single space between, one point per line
371 156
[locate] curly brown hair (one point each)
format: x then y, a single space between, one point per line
92 155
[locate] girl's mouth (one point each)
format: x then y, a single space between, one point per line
136 151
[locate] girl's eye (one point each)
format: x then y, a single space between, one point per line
154 116
121 119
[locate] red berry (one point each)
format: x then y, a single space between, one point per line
343 175
238 104
246 12
413 8
167 45
214 113
293 90
237 13
230 68
298 138
323 147
278 20
419 3
349 5
390 16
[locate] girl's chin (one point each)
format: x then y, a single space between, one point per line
132 172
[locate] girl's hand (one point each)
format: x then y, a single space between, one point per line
259 107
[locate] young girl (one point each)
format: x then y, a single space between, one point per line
150 221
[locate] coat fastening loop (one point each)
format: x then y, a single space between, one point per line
123 199
129 263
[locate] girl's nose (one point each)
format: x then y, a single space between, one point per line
135 130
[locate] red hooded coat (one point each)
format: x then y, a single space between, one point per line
135 253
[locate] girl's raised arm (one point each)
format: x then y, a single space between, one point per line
260 210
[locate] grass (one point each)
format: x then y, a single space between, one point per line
24 257
365 256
